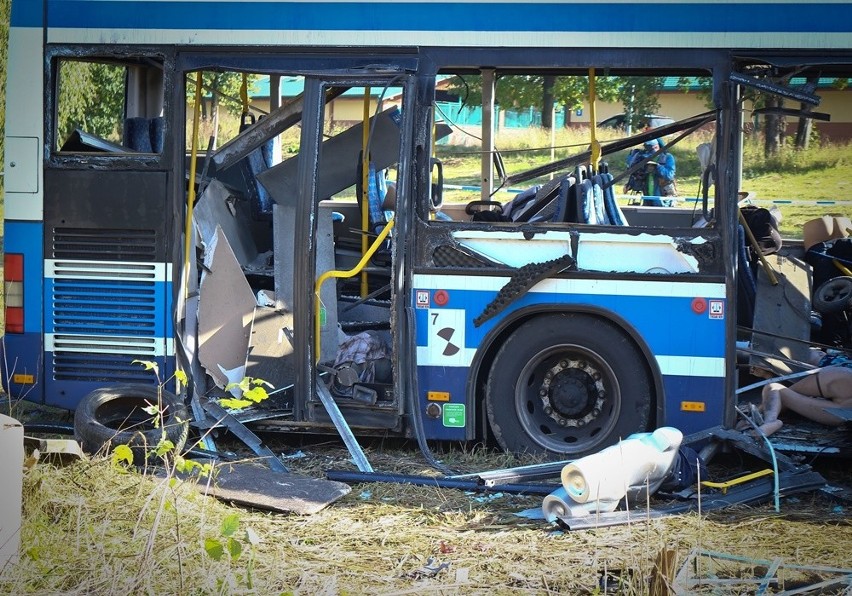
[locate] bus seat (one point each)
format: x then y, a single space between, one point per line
137 134
613 210
377 190
157 130
600 209
253 164
144 135
584 203
520 203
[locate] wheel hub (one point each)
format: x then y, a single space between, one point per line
572 393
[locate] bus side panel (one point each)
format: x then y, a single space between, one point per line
687 341
22 356
107 291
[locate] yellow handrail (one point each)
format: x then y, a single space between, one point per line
365 192
196 116
354 271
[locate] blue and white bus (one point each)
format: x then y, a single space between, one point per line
556 327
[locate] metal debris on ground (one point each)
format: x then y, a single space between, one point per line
706 571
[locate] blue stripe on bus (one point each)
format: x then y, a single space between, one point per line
66 393
709 391
450 380
23 354
27 13
27 238
668 325
448 16
144 315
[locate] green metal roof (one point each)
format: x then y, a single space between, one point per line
293 86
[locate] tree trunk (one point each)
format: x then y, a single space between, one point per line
547 102
803 130
772 129
214 110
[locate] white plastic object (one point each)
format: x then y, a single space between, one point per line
638 463
11 484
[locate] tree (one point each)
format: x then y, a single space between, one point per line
638 95
224 89
4 44
538 91
91 97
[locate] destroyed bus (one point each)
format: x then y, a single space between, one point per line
554 319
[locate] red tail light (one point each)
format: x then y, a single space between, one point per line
13 273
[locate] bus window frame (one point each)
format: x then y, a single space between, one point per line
55 158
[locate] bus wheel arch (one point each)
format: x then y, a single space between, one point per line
567 383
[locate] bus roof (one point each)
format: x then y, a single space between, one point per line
781 24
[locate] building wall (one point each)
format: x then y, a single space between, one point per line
679 105
343 110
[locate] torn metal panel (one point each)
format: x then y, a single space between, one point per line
338 164
343 429
757 491
440 482
225 311
744 573
255 135
215 207
251 440
284 227
270 352
782 311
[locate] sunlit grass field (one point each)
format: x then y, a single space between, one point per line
817 174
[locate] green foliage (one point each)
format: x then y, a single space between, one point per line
4 44
191 466
638 95
226 542
252 390
122 458
224 87
525 91
91 97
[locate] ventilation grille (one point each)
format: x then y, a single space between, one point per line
105 307
104 244
106 368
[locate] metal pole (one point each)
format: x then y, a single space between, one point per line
487 133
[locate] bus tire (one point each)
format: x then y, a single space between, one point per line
114 415
833 295
567 385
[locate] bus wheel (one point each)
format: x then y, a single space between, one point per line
115 415
567 385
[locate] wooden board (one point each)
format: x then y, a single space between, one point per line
782 310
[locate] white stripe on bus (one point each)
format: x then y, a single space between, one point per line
685 366
152 347
107 270
599 287
574 39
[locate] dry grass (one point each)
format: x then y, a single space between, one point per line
88 528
